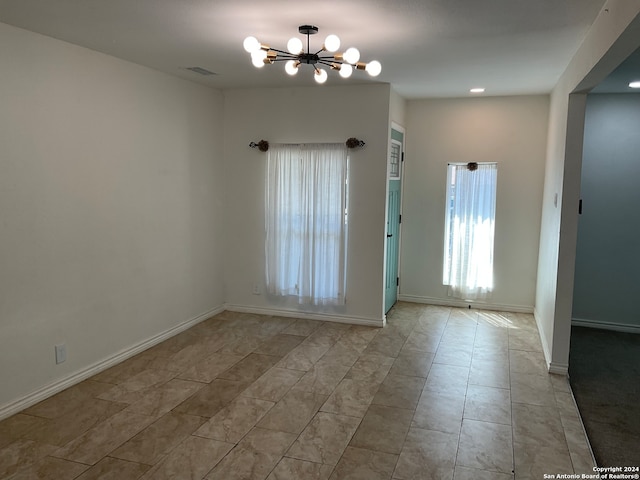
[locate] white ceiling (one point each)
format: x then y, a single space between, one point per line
428 48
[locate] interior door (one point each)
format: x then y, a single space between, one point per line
393 219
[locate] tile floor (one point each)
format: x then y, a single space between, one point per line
440 393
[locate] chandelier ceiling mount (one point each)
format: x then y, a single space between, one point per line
295 55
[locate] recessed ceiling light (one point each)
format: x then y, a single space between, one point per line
635 84
477 90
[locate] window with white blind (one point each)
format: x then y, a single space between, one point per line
306 227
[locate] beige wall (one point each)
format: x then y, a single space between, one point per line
111 210
509 130
299 115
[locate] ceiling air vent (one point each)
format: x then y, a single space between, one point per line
201 71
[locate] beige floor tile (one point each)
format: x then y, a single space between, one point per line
209 369
250 368
579 449
128 368
226 368
533 463
459 335
234 421
341 354
22 454
328 334
560 383
158 439
412 363
303 357
358 337
62 430
488 404
566 404
490 373
212 398
322 378
244 345
422 341
294 469
104 437
485 446
537 425
427 455
50 468
371 367
361 464
383 429
293 412
114 469
439 412
68 400
465 473
302 327
164 398
324 439
532 389
254 457
450 379
134 387
279 345
523 361
19 425
399 391
386 344
463 317
523 339
274 384
453 354
191 460
351 397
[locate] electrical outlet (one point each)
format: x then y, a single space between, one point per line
256 289
61 353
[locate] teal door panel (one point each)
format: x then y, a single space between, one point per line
393 220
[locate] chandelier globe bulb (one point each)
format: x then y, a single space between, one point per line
346 70
351 55
320 76
291 67
251 44
294 45
373 68
332 43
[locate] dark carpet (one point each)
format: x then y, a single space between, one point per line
604 372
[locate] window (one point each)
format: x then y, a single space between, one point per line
306 230
469 229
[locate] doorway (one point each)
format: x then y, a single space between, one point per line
394 212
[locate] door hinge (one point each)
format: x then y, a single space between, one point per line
400 219
580 207
397 281
402 157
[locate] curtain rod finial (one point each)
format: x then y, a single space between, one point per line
354 142
262 145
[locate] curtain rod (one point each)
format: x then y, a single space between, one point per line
263 145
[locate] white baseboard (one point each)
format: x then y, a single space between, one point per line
552 367
617 327
452 302
369 322
84 373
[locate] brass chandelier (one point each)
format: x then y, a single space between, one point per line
343 63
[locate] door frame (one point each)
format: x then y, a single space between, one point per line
399 128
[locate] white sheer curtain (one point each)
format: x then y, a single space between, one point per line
306 223
469 230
